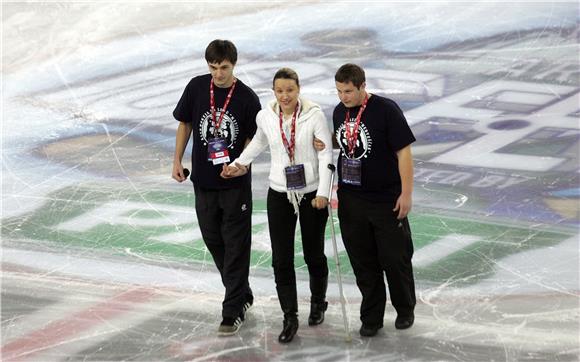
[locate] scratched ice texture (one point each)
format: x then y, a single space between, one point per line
102 257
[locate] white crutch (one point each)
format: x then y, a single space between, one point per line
337 262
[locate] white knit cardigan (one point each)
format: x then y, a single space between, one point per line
311 123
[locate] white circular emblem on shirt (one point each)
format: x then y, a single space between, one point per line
228 128
363 141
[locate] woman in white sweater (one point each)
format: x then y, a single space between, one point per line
299 186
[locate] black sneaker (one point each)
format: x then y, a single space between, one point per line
230 326
247 306
367 330
404 321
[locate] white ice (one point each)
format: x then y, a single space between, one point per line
102 257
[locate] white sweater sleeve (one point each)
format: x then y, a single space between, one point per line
256 146
322 132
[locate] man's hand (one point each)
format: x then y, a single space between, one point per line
319 202
230 171
403 205
318 144
177 173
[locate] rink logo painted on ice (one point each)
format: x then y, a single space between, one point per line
504 126
163 224
516 134
492 145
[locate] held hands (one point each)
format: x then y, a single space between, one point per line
230 171
319 202
403 205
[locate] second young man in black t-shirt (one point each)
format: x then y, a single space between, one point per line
220 111
375 169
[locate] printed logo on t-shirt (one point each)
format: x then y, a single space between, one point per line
228 128
363 142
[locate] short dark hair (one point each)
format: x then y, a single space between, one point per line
219 50
350 73
286 73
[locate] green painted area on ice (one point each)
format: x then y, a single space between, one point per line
471 263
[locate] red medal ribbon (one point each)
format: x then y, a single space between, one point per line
351 137
290 146
216 125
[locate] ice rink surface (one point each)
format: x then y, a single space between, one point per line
102 257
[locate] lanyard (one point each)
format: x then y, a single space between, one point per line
351 137
216 125
290 146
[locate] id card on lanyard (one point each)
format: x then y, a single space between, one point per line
351 168
295 175
217 147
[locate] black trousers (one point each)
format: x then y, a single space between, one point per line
225 222
282 226
377 242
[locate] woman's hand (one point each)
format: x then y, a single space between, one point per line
319 202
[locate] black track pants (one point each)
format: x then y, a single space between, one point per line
224 218
377 243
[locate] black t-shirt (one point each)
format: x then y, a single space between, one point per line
239 124
382 132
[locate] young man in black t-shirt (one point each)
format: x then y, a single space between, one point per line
221 111
375 169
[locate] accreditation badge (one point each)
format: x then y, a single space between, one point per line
295 177
351 171
217 149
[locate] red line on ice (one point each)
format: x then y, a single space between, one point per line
57 332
